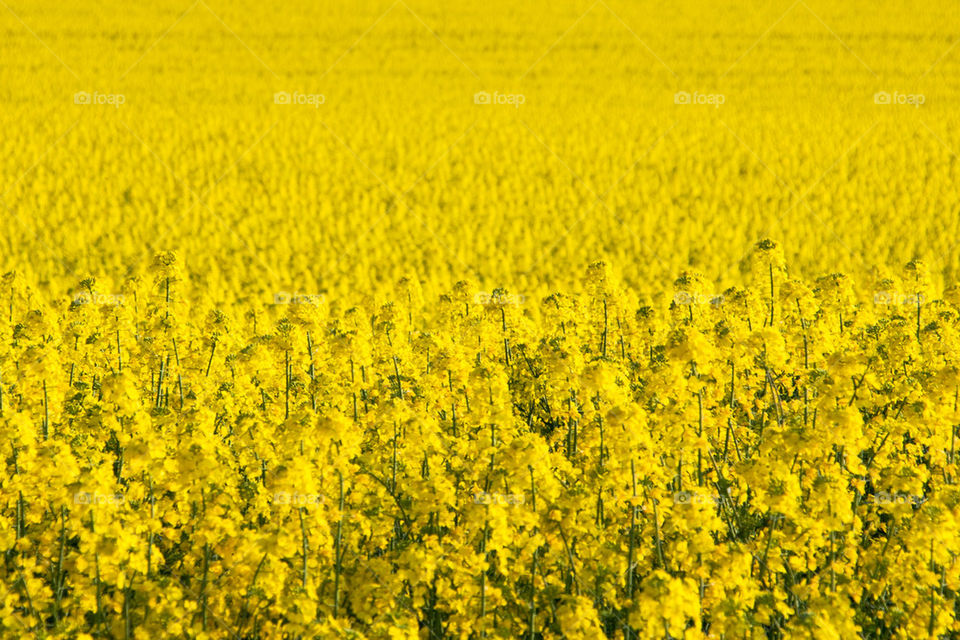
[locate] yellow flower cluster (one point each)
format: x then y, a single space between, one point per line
769 461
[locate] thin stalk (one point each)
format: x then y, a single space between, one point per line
213 349
203 586
304 548
338 557
46 412
533 594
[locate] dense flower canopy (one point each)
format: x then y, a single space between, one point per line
772 460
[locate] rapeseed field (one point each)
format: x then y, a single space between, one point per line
433 320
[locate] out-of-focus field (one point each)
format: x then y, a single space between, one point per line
399 170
